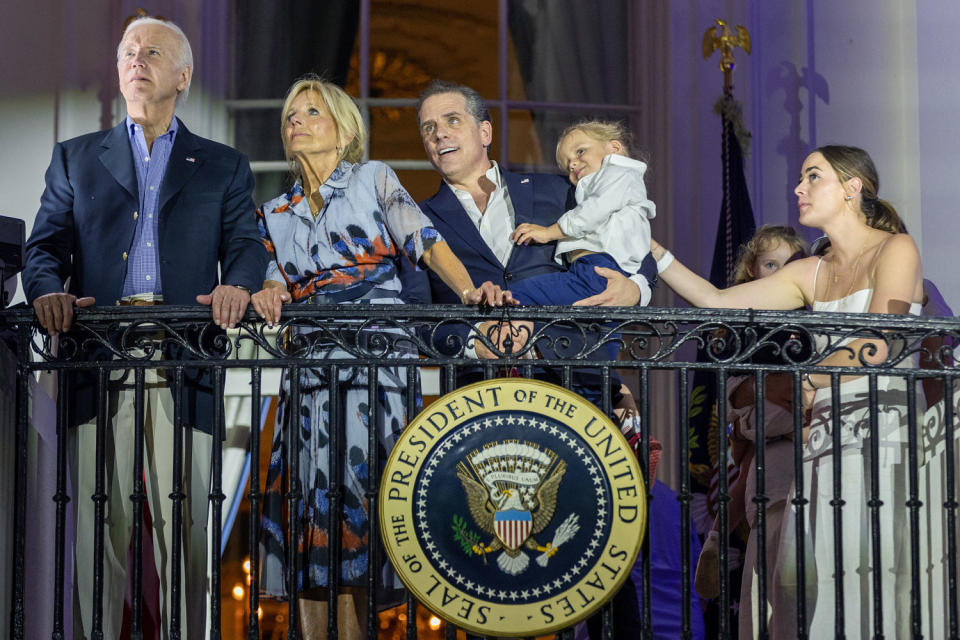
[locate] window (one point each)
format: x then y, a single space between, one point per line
540 64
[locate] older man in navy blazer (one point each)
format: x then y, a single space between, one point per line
146 213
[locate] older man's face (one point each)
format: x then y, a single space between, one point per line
455 143
148 66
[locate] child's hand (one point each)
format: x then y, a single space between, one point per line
526 233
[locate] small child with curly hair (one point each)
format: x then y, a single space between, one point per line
768 251
609 227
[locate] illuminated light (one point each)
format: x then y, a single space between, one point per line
259 612
246 565
248 579
238 592
434 622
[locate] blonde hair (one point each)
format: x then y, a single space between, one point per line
602 130
764 239
342 109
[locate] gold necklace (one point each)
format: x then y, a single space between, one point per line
856 266
316 203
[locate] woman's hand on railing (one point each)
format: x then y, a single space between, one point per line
269 301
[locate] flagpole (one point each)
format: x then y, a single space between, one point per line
721 37
709 459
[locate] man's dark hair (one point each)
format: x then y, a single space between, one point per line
476 105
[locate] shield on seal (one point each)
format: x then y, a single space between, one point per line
512 527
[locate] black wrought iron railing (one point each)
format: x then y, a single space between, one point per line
889 424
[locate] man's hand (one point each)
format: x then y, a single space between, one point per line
519 331
526 233
55 311
490 294
268 302
620 291
228 304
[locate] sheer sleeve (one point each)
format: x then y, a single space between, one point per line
273 267
408 226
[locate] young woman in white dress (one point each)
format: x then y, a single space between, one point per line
869 268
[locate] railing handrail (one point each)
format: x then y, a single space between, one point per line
193 313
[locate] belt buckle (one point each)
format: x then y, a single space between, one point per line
142 300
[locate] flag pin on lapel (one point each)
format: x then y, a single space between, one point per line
191 159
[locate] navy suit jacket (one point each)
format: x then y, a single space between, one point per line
85 227
536 198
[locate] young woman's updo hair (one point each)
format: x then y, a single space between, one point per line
764 239
853 162
602 130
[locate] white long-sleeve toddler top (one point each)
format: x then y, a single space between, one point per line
613 216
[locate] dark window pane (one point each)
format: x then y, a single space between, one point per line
256 132
270 184
394 134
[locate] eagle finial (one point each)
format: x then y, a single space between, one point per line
721 37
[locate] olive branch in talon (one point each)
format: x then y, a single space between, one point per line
469 540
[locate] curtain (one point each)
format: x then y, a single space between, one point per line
569 52
277 41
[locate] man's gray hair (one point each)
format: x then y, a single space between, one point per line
184 53
476 105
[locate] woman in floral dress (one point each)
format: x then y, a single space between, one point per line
335 238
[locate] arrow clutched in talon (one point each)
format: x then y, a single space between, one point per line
564 532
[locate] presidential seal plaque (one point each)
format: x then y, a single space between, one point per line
512 507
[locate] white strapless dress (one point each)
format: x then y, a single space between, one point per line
856 458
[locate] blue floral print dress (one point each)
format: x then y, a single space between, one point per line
347 254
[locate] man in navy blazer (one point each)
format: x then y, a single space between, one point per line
89 213
479 204
476 209
456 131
146 213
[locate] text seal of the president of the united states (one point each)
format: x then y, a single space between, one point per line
512 507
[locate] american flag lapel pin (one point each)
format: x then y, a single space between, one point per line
191 159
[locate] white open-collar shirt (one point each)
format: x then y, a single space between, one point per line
497 222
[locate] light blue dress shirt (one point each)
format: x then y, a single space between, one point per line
143 261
